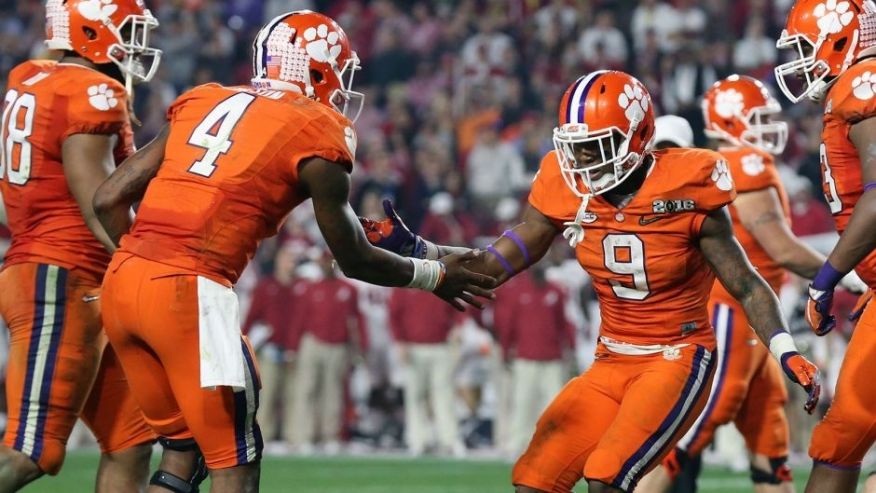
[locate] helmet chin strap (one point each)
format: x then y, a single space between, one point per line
574 232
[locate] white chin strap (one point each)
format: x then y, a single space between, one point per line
574 232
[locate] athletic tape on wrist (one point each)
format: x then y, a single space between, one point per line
781 343
519 242
502 260
428 274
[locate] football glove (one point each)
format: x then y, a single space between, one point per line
392 234
802 372
818 309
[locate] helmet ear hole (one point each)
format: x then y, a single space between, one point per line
316 76
840 44
89 33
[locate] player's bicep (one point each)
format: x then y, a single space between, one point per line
328 185
725 254
88 161
862 136
762 216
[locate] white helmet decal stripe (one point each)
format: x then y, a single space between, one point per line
580 96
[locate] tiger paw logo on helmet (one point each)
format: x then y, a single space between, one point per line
634 102
833 16
721 176
729 103
322 44
97 9
864 86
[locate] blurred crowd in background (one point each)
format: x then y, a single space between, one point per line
461 100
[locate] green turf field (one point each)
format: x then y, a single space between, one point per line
372 475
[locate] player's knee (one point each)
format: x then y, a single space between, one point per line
18 467
777 472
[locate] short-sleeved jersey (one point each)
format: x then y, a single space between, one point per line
651 279
45 103
230 175
850 100
754 170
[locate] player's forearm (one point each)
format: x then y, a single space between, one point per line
801 259
376 266
858 240
444 250
114 222
762 309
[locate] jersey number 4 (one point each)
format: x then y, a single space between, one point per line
214 132
625 255
16 128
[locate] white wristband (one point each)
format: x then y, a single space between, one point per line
782 343
428 274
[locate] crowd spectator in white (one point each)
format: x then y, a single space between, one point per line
605 39
556 18
539 341
692 20
495 168
756 52
659 18
273 329
333 328
422 325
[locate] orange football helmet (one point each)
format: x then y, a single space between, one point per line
739 109
309 53
826 36
105 31
606 127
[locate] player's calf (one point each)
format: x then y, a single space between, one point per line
124 470
182 467
16 470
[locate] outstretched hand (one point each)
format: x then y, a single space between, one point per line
393 234
461 286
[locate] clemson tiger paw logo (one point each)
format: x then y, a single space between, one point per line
322 44
634 102
833 16
721 176
753 164
102 97
729 103
864 86
350 137
97 9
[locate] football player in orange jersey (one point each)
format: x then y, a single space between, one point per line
64 126
651 229
739 115
231 165
832 44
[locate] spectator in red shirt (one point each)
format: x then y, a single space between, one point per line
272 328
332 327
539 341
422 325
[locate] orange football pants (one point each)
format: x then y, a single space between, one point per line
150 311
617 420
748 389
848 429
60 366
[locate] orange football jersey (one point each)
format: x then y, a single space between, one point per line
45 103
753 170
652 281
230 175
852 98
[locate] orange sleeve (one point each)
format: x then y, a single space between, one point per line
550 195
327 136
97 105
752 171
854 97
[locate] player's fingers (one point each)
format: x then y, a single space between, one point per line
455 303
471 300
479 291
